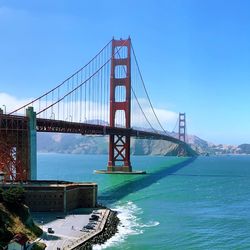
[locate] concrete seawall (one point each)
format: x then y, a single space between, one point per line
106 229
69 232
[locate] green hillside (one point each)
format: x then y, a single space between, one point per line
15 217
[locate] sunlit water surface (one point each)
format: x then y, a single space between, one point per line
182 203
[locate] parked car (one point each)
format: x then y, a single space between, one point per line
96 212
50 230
92 222
94 217
89 226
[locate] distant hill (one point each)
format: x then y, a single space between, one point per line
71 144
244 149
203 147
78 144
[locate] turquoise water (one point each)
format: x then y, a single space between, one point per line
182 203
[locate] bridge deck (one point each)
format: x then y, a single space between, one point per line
11 122
47 125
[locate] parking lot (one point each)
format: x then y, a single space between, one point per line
67 228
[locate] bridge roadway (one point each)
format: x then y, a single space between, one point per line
57 126
13 122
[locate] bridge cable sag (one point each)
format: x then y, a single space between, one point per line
139 102
40 97
143 83
175 124
78 86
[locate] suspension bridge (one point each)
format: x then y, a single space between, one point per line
101 98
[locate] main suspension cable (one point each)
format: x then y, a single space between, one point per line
138 100
143 83
58 86
77 87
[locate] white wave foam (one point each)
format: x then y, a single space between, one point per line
130 224
151 224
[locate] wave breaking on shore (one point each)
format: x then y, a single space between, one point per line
130 224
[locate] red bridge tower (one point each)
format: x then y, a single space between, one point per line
182 134
119 144
182 127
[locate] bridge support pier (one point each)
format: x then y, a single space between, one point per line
119 151
32 143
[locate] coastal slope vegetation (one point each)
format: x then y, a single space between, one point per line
15 216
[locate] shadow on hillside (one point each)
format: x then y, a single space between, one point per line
115 194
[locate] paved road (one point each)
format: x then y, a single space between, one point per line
66 230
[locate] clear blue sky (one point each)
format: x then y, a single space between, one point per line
196 52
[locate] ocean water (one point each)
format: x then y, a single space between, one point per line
182 203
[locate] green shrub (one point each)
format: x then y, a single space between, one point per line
1 195
14 195
38 246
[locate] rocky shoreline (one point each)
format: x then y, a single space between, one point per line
109 230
